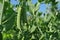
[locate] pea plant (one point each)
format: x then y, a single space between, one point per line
25 21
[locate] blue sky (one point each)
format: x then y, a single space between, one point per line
42 6
14 2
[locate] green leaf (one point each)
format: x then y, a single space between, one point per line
40 0
33 28
37 6
1 1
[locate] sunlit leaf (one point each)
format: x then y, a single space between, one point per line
33 28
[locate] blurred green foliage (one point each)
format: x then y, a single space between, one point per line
17 25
